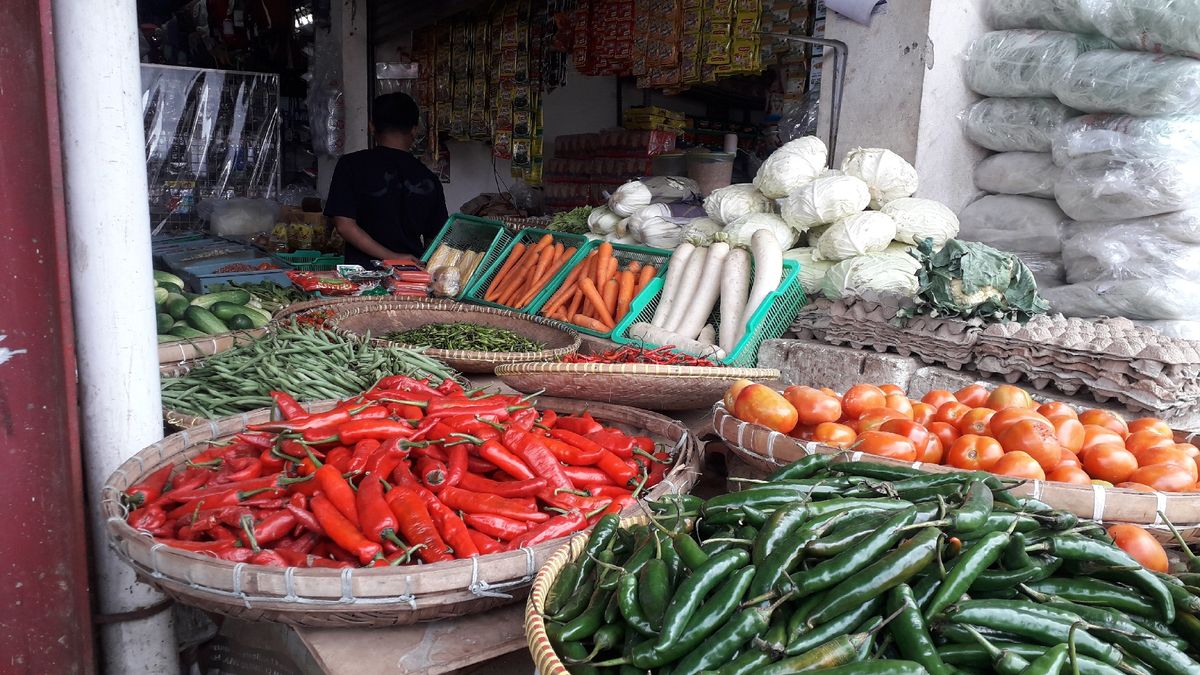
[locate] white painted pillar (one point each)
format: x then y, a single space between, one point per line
108 225
348 32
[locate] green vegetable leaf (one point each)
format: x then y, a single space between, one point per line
969 280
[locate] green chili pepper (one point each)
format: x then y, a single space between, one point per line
1004 661
975 509
801 468
990 580
590 620
576 652
839 568
1096 592
602 535
612 610
774 640
879 667
692 591
1158 654
910 633
803 639
574 605
1015 556
975 656
644 554
654 591
1074 547
563 587
689 551
627 601
1101 617
720 541
749 662
676 503
924 588
781 525
795 623
875 470
965 571
724 644
1182 598
670 557
1034 622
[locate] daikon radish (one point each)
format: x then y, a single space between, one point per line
768 273
685 290
657 336
735 286
708 335
675 269
707 289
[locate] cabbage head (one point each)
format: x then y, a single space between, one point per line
812 272
791 166
920 219
866 232
743 229
887 174
892 272
825 200
727 204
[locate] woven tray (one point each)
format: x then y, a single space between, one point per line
761 450
377 318
351 597
185 350
640 385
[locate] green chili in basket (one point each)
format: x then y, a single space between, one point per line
470 337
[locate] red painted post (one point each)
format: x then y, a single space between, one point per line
45 626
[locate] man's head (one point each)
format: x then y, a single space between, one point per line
394 113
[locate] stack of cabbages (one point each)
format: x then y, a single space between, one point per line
1095 116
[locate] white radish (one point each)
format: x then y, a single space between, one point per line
735 285
686 289
768 273
664 338
675 269
708 335
708 288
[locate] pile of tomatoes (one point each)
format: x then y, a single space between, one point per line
1002 430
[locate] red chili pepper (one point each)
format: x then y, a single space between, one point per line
233 497
452 528
614 441
610 491
379 523
484 543
289 407
403 475
478 502
496 526
494 452
658 469
582 425
431 472
362 453
457 466
238 469
405 412
338 492
305 518
354 431
257 440
372 412
432 452
343 532
222 533
444 407
558 526
449 387
619 504
479 465
270 463
587 477
616 469
271 528
209 490
568 500
339 457
524 418
644 443
416 524
537 456
209 547
150 488
572 454
390 453
188 480
549 419
326 420
404 383
522 488
288 555
149 517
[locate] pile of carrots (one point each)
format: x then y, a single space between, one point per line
526 272
597 293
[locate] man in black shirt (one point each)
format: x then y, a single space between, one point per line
383 201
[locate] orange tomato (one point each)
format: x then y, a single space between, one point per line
938 397
946 433
812 406
1070 474
1140 545
760 404
1069 432
909 429
974 452
1068 461
861 398
1003 419
872 419
829 392
923 412
1151 424
1106 419
1008 396
933 451
834 435
1094 435
1129 485
803 432
972 396
1034 438
1057 409
884 444
899 403
1165 477
951 412
975 421
1018 465
732 392
1188 449
891 389
1109 462
1144 441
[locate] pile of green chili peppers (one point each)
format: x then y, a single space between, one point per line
857 567
470 337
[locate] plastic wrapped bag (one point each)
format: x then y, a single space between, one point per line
1119 251
1139 299
1137 83
1012 223
1149 25
1048 270
1064 15
238 216
1101 188
1181 226
1125 137
1018 173
1015 124
1024 62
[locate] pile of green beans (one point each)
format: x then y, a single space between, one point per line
858 567
470 337
307 363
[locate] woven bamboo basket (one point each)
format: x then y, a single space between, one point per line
185 350
381 317
544 658
297 308
639 385
759 451
351 597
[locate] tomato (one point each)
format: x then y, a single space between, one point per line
1069 432
860 398
909 429
872 419
1138 441
974 452
1069 474
938 397
1165 477
975 421
933 451
891 389
885 444
835 435
1096 435
829 392
1140 487
1187 448
1068 461
899 403
1151 424
803 432
951 412
1018 465
972 396
1140 545
1003 419
1034 438
1106 419
760 404
1109 462
1057 409
812 406
731 394
923 412
946 433
1008 396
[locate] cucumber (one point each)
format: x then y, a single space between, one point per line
236 297
203 320
166 338
226 311
258 316
176 305
187 333
164 323
160 295
161 277
179 324
172 288
240 322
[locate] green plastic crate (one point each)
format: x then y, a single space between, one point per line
469 233
478 289
312 261
625 254
771 320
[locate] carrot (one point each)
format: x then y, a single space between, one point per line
611 290
515 285
603 255
635 267
590 323
576 300
647 273
624 293
513 257
547 256
590 292
540 283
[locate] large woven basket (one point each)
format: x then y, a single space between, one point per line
184 350
544 658
640 385
759 451
377 318
297 308
351 597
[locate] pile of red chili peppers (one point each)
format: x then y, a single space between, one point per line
409 471
663 356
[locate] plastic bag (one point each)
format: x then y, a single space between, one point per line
1124 137
1048 270
1018 173
447 282
1015 124
1181 226
1139 299
238 216
1150 25
1024 62
1118 251
1012 223
1101 188
1064 15
1136 83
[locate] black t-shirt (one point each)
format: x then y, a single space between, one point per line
392 196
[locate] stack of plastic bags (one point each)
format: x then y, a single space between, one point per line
1095 116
